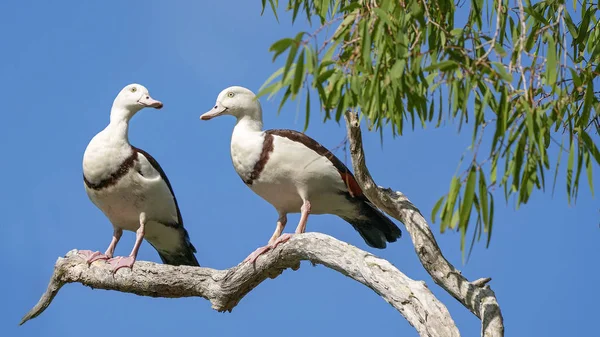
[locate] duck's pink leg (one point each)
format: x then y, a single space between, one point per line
304 212
277 238
127 262
273 242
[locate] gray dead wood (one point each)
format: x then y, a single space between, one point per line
476 296
225 288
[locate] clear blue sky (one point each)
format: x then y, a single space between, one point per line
61 65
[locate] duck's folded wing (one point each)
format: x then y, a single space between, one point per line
171 240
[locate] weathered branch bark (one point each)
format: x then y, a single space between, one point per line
225 288
476 296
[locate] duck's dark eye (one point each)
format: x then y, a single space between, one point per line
133 89
230 94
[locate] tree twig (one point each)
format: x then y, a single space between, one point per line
225 288
475 296
483 58
522 38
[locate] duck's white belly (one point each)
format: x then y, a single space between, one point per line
284 186
121 203
282 194
133 194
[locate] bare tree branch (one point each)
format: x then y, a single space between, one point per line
225 288
476 296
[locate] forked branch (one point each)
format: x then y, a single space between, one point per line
476 296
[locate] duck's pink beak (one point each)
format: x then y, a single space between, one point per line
149 102
217 110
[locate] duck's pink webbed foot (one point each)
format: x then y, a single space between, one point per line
121 262
255 254
282 239
259 251
92 256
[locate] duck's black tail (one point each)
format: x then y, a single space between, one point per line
374 227
181 254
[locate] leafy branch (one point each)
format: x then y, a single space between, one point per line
521 76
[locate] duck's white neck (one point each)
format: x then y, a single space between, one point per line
249 123
118 127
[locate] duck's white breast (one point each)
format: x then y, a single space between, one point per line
246 147
102 156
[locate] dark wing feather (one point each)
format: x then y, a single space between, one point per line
185 254
163 175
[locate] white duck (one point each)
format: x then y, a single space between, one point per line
132 190
295 174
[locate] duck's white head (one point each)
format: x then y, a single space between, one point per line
132 99
236 101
